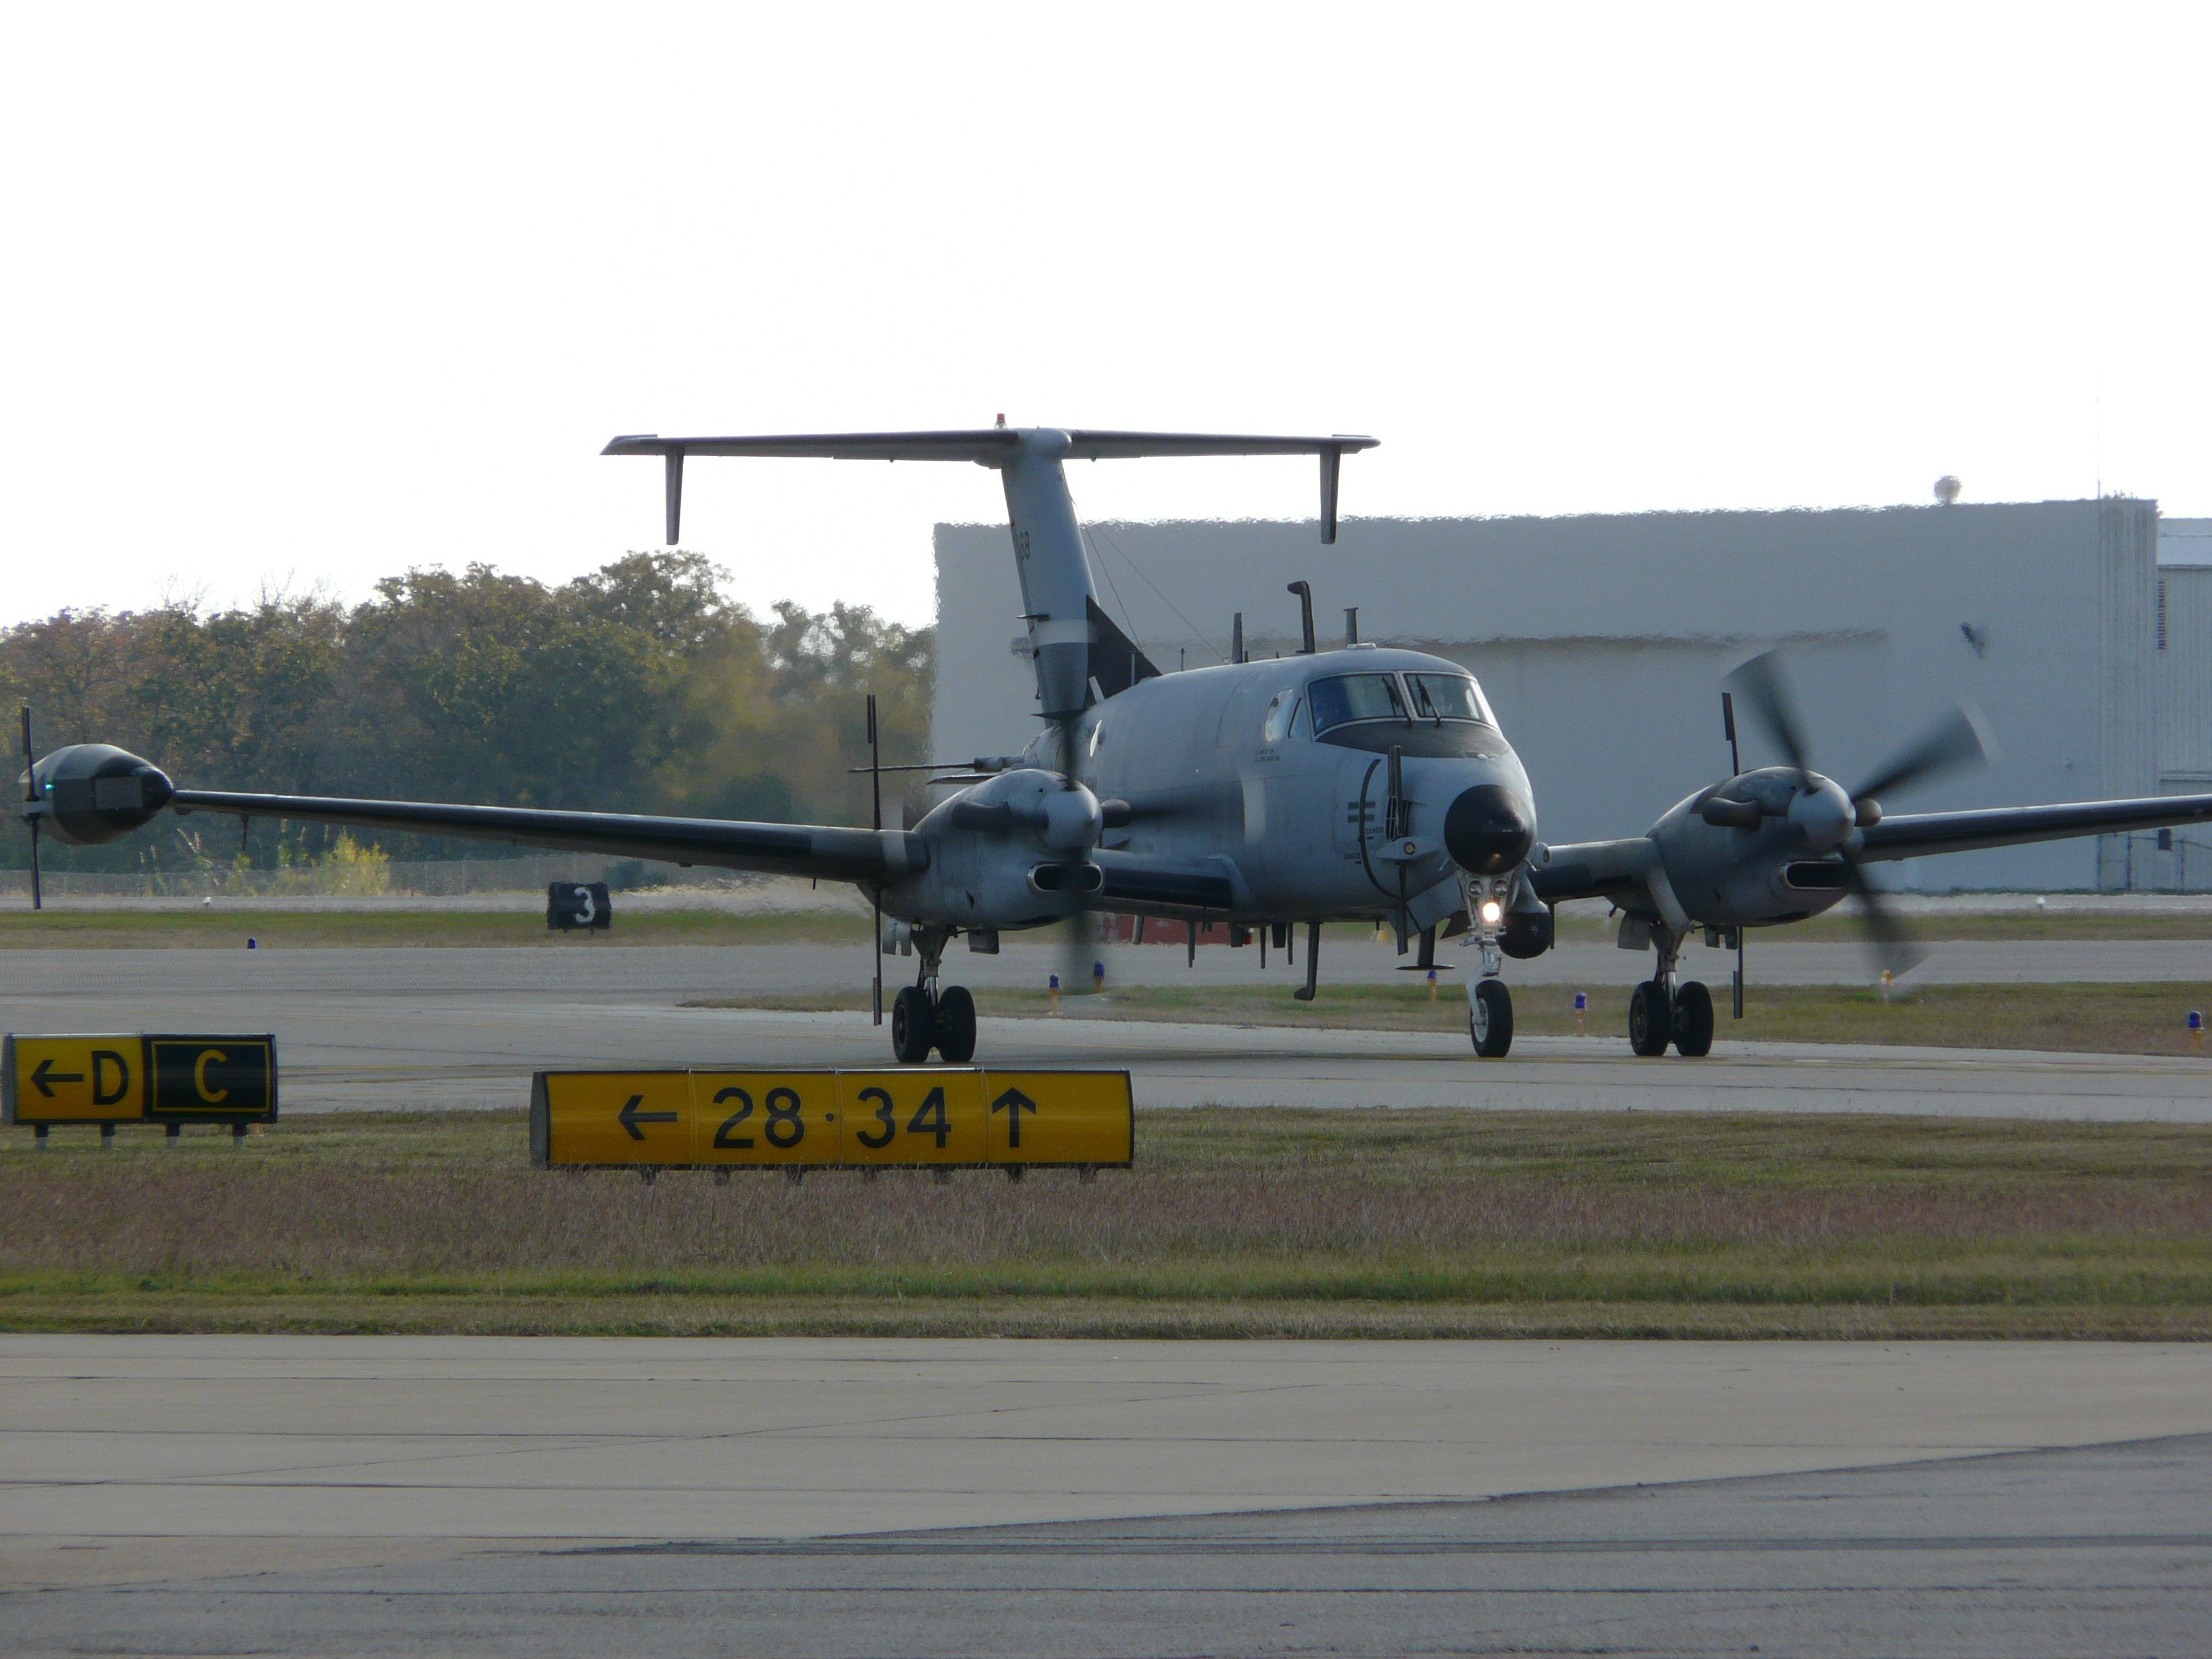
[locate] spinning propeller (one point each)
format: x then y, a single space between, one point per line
1082 936
33 806
1824 814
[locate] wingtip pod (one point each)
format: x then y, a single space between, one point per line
90 792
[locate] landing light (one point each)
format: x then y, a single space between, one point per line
1493 912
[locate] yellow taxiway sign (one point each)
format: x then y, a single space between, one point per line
939 1115
160 1079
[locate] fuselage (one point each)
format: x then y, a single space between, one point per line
1275 776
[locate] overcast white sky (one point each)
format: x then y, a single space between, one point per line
317 293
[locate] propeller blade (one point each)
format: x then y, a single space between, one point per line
1958 740
1079 937
1886 931
1080 948
1766 695
31 794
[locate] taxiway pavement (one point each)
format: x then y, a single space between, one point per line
464 1028
541 1495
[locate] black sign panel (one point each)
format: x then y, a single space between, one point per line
571 905
211 1078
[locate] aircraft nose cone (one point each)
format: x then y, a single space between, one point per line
1487 830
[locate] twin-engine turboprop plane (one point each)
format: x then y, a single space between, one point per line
1365 783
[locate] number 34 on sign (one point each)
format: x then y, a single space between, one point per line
936 1116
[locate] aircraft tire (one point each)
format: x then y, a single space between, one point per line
955 1023
912 1029
1694 1020
1489 1018
1648 1021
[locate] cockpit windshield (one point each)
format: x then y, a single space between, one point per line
1447 697
1355 698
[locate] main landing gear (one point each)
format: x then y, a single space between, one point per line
924 1017
1663 1010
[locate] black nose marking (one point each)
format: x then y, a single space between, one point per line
1486 830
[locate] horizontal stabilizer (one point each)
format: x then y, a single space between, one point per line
990 445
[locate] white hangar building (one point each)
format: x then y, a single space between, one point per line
2081 630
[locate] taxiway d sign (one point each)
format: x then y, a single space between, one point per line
138 1079
73 1079
936 1116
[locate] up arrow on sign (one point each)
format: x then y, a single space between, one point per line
1014 1103
629 1117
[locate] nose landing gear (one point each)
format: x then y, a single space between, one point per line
1490 1017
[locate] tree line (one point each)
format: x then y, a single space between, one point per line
637 688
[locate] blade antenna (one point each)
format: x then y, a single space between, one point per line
31 799
876 892
1735 770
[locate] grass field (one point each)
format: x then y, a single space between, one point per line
225 925
229 921
2128 1019
1233 1222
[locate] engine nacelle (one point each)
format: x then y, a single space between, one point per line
91 792
1010 853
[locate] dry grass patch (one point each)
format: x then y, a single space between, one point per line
1234 1221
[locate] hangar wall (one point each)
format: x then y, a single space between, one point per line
2180 860
1602 642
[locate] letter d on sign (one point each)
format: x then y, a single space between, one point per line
111 1076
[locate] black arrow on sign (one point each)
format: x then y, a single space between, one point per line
1014 1103
629 1117
46 1077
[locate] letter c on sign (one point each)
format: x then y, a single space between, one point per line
208 1056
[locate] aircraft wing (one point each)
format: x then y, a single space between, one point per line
785 849
1910 835
1172 884
1595 869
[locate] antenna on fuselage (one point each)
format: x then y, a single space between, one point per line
1237 638
1304 591
1735 770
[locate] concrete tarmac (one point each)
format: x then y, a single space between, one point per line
413 1495
465 1028
600 968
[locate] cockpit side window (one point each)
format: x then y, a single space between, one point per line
1449 698
1282 714
1355 698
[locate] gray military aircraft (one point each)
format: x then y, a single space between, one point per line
1362 783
